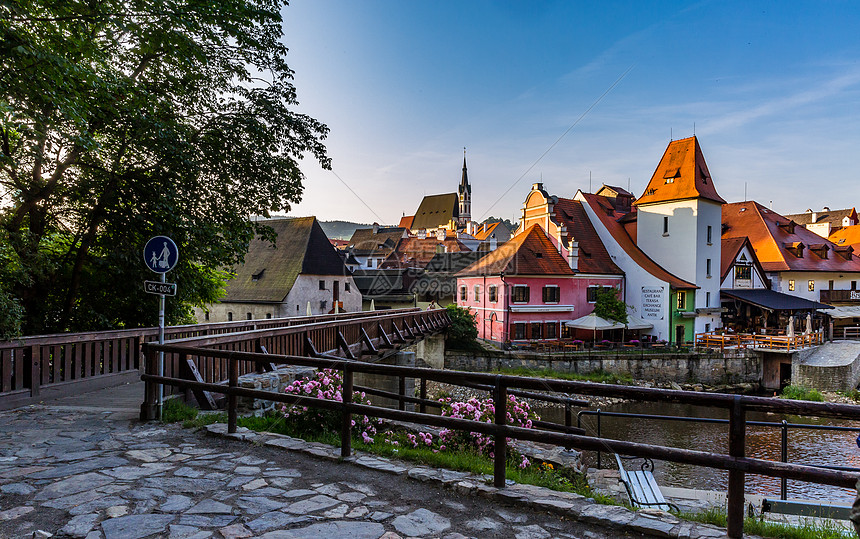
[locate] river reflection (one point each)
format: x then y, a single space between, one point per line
834 448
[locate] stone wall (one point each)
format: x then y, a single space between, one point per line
274 381
826 378
732 367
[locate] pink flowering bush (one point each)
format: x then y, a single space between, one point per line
518 414
326 384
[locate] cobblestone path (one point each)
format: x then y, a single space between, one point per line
84 471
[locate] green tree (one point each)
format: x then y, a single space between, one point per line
608 306
463 332
124 119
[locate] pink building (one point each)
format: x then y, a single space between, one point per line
526 290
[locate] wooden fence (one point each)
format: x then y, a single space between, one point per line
50 366
751 340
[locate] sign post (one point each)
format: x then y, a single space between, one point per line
160 255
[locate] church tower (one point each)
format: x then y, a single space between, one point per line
464 193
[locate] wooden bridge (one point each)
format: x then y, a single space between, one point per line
36 368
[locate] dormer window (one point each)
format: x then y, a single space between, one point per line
820 249
257 276
788 227
844 251
795 248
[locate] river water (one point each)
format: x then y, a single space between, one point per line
833 448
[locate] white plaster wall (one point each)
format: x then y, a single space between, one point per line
841 281
218 311
685 249
635 276
306 288
757 277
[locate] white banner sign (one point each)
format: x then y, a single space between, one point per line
653 302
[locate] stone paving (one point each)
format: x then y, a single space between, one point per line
97 473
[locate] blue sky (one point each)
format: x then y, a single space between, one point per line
773 89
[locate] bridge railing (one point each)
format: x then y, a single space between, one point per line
36 367
735 461
352 337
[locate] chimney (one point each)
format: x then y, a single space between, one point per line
494 243
814 216
375 228
573 254
485 228
537 186
470 228
422 234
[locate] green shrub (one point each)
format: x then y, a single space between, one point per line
801 393
804 530
463 332
175 410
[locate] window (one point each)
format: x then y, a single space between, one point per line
551 294
665 226
591 293
268 316
346 286
521 293
519 331
853 287
369 262
830 284
249 316
229 316
812 285
537 330
322 285
743 273
682 301
493 292
707 328
206 314
477 292
566 332
323 306
551 330
707 299
463 293
708 267
710 234
791 285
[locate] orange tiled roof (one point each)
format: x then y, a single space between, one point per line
681 175
776 240
482 235
847 236
406 221
609 218
593 256
417 252
530 253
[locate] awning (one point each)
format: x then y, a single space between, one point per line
772 300
845 311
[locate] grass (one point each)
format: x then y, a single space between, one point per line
801 393
852 394
776 530
596 376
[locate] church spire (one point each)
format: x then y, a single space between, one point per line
464 193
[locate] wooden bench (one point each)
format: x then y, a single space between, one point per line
641 486
805 509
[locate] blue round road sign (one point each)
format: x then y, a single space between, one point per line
160 254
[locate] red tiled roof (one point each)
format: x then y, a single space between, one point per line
417 252
609 218
530 253
682 174
773 238
593 256
482 235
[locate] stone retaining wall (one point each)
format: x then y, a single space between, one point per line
826 378
274 381
731 367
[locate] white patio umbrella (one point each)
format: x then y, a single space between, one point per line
808 323
372 305
594 323
310 313
790 329
336 307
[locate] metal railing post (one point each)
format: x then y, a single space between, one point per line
500 442
232 399
735 505
599 436
149 407
346 420
783 482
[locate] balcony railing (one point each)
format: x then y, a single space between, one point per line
751 340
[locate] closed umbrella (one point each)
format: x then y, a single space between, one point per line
808 323
310 313
372 306
790 329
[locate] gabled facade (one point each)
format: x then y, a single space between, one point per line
280 279
678 225
526 289
371 247
740 268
